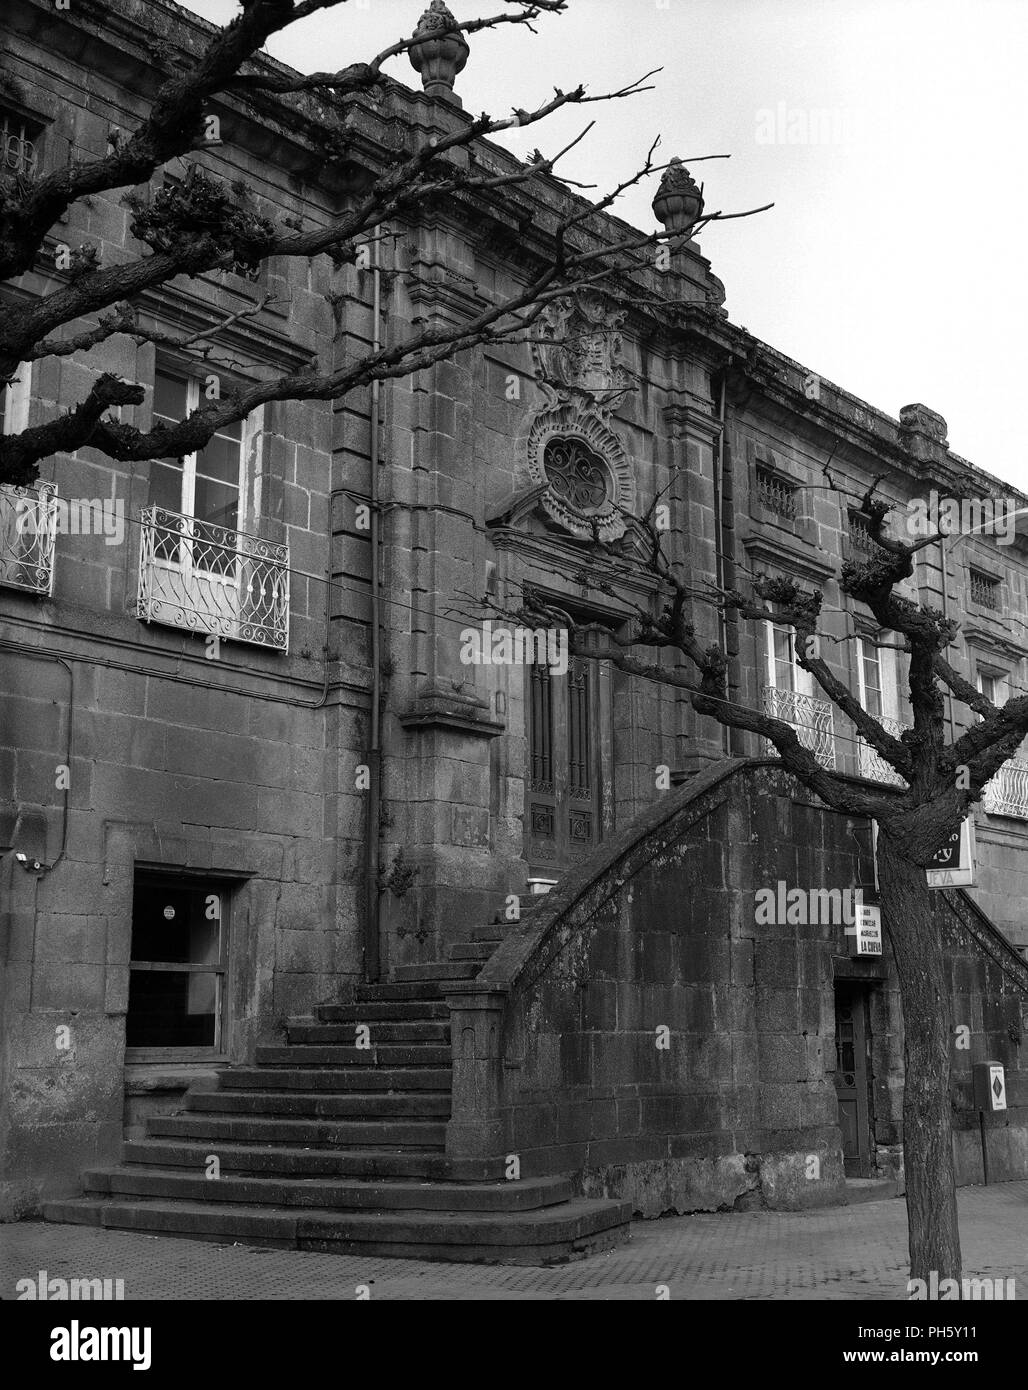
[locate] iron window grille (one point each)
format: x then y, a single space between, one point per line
861 538
984 589
776 495
19 145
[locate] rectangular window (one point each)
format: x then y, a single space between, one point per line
789 696
207 486
178 966
14 401
860 536
878 680
873 700
198 568
28 515
984 589
776 494
783 671
992 686
19 144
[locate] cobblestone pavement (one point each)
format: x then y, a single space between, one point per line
856 1252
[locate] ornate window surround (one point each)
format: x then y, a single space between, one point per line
578 368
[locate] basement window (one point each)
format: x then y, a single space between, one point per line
178 968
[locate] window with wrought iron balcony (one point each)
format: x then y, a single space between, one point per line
789 696
197 569
28 515
1007 793
879 693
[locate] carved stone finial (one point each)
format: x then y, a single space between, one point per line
679 202
924 421
438 59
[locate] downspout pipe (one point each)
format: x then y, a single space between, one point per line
719 552
372 861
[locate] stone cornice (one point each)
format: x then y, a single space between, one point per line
542 551
686 421
773 551
457 713
975 633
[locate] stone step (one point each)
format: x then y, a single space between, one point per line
283 1159
471 950
549 1235
328 1193
401 1010
389 1055
423 991
492 933
377 1105
441 972
420 1031
347 1134
352 1080
860 1190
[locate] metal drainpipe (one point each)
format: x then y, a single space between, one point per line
719 558
945 613
373 893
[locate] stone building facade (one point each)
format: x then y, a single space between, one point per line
203 839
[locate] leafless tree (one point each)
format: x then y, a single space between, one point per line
199 225
944 780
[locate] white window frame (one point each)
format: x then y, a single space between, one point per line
1000 687
888 672
17 399
174 578
803 681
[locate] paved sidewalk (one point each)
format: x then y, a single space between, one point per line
856 1252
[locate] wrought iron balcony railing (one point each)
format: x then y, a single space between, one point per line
205 578
871 764
28 532
1007 793
811 718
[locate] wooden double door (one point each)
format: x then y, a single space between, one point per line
569 787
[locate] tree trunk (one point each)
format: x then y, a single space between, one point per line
916 939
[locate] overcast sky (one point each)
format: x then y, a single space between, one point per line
890 134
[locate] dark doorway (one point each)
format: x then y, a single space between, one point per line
853 1077
178 965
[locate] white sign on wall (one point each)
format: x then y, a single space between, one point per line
955 860
867 931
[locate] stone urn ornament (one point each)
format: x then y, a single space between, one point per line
438 58
678 203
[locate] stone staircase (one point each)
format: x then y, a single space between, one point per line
327 1146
